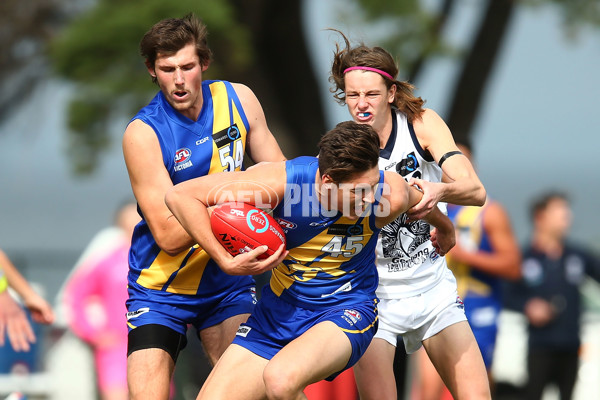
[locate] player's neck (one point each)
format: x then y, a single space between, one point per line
385 132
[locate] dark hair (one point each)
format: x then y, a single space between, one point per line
374 57
348 149
542 201
170 35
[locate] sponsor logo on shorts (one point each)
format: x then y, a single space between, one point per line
137 313
460 303
243 331
351 316
346 287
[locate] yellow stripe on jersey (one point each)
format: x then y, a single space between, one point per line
231 158
188 279
322 255
469 227
188 276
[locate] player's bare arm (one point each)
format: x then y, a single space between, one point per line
189 202
462 185
505 259
260 143
150 181
398 195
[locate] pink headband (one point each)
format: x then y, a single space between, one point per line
380 72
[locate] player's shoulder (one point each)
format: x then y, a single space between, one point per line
138 128
241 89
138 135
391 177
427 119
394 187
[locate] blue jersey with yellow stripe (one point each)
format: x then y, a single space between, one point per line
471 282
331 258
214 143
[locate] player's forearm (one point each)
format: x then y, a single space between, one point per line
193 216
502 265
439 220
465 192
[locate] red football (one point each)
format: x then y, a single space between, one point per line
241 227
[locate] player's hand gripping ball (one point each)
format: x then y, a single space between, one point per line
241 227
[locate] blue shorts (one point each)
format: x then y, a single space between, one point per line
275 323
176 311
482 314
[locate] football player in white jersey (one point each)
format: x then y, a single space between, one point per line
417 291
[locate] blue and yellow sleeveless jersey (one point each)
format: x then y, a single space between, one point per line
471 235
214 143
331 258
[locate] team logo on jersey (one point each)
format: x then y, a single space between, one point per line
285 224
226 136
243 331
137 313
408 165
183 159
401 242
351 316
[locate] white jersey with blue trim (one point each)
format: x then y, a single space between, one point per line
407 262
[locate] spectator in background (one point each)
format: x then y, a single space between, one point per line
486 253
12 318
553 270
95 298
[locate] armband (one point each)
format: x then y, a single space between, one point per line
447 156
3 283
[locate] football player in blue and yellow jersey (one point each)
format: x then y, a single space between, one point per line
191 128
319 313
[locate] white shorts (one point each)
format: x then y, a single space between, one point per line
420 317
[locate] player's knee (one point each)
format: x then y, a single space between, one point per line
279 382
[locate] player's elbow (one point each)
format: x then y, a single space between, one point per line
479 195
168 245
172 251
172 197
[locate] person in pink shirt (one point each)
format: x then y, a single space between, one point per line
95 307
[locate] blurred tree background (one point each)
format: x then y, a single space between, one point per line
93 46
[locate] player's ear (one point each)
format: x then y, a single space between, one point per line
392 94
326 180
327 184
150 69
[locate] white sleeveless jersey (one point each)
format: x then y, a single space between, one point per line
407 262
